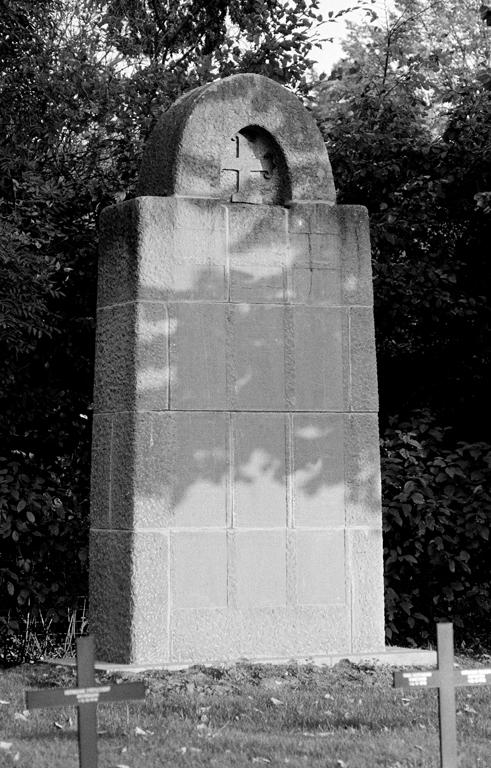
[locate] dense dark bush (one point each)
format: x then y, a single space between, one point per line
437 519
43 537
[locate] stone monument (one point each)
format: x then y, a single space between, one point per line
236 482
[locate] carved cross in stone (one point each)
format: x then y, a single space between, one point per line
245 164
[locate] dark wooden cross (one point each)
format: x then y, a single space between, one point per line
85 696
244 166
446 678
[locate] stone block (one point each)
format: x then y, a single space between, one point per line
259 479
111 594
194 282
199 246
256 362
198 569
208 633
259 633
260 568
316 286
362 470
187 265
365 577
197 357
321 572
131 368
363 361
257 235
309 250
128 595
318 470
151 357
297 632
169 470
198 213
170 214
128 432
100 479
114 372
356 258
194 449
321 364
318 218
291 553
150 245
151 596
258 284
117 280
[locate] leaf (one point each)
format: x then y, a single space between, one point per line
484 532
276 702
485 13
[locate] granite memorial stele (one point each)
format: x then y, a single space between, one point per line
236 507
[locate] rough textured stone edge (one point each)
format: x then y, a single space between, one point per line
391 656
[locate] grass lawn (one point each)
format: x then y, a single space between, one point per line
343 717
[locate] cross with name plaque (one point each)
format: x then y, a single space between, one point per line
446 678
85 697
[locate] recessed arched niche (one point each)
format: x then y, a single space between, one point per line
195 142
254 169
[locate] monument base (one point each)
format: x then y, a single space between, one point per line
391 656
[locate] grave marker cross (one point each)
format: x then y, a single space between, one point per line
446 678
85 697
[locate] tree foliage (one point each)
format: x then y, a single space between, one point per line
437 518
408 133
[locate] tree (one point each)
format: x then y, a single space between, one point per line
408 133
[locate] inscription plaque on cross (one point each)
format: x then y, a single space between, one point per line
252 164
446 678
86 696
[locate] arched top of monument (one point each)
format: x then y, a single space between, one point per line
244 138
